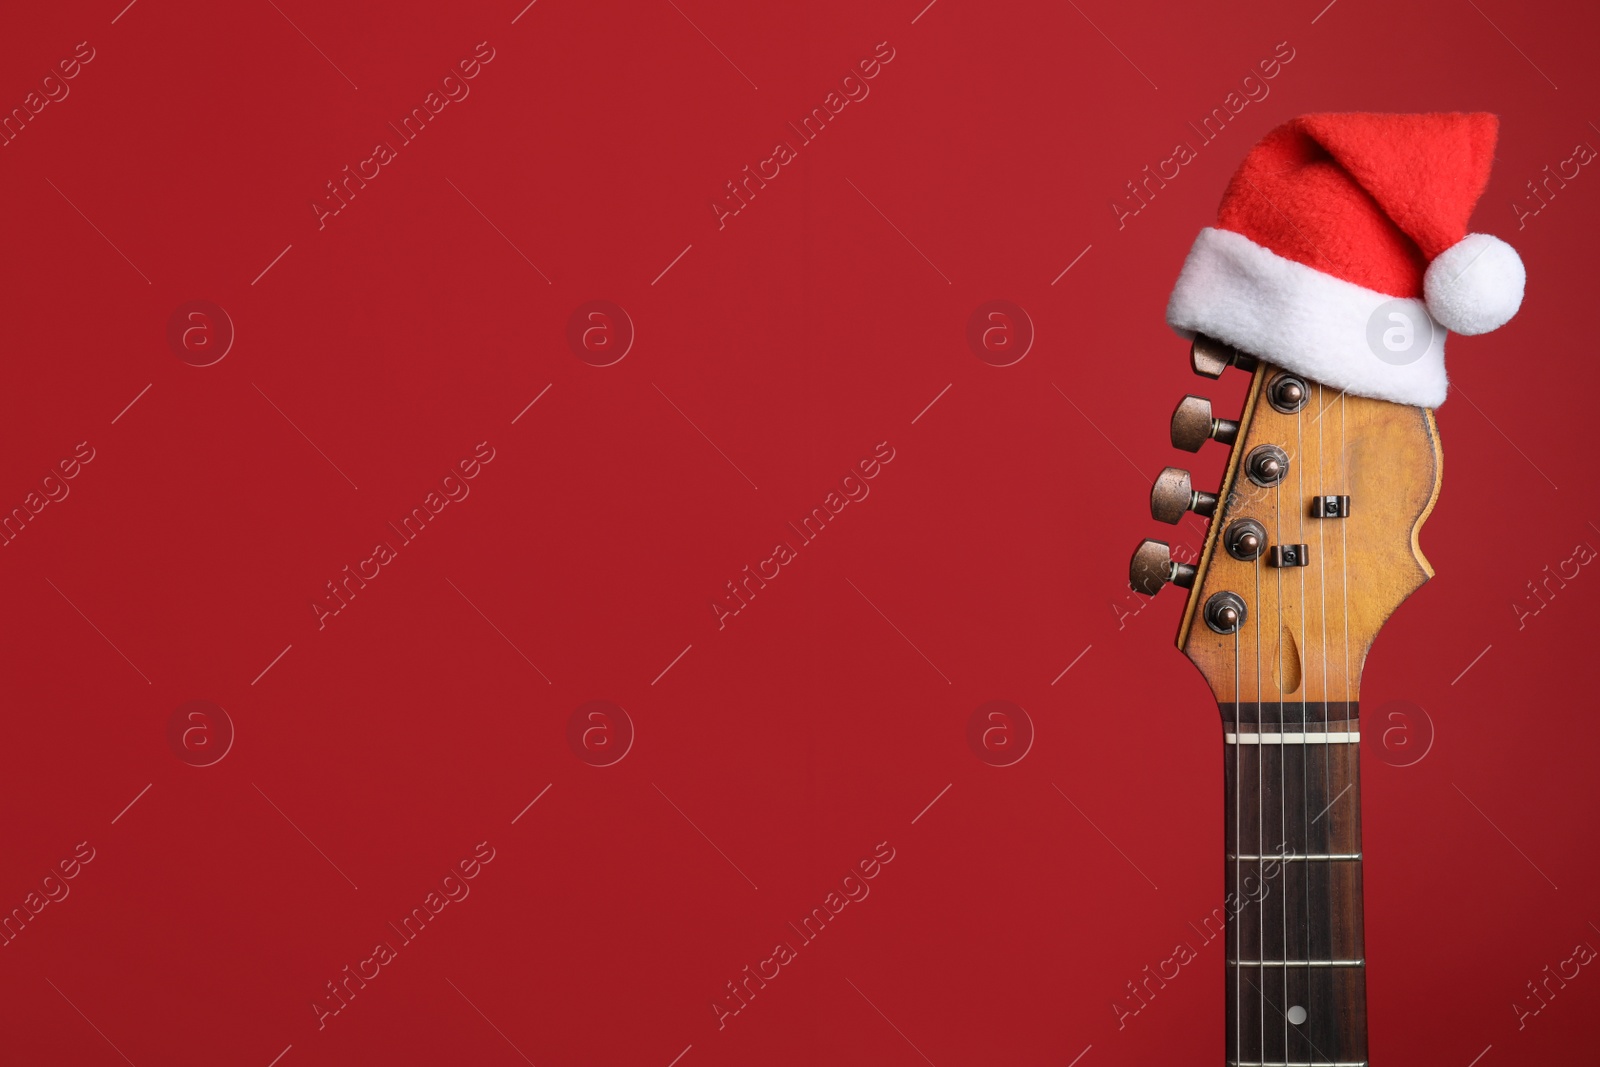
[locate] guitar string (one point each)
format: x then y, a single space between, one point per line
1344 607
1281 751
1305 691
1327 713
1261 907
1305 685
1238 867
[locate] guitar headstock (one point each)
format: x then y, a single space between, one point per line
1313 537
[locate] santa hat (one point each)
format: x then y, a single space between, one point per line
1341 252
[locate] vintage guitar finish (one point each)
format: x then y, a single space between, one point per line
1280 631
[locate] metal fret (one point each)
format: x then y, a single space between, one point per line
1297 963
1325 737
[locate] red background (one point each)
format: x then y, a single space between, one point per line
830 712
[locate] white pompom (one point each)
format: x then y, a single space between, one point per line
1475 285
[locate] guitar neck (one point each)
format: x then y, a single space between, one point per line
1312 546
1296 969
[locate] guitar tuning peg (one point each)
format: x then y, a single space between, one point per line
1210 357
1172 495
1193 426
1152 567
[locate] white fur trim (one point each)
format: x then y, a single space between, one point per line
1291 315
1475 285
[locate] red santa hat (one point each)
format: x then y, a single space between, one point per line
1341 252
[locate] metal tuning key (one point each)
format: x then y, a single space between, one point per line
1193 426
1245 539
1266 465
1287 393
1172 495
1152 567
1225 612
1210 357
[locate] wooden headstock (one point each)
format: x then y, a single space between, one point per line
1333 489
1312 546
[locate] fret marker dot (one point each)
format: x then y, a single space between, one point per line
1297 1015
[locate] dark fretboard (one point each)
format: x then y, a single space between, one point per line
1296 972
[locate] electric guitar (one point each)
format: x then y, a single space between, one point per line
1312 546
